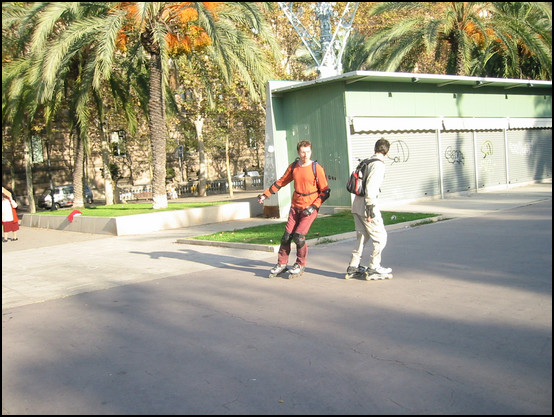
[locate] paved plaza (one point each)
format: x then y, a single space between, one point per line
96 324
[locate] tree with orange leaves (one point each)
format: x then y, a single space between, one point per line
102 37
220 30
501 39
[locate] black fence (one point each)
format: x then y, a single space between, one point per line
190 189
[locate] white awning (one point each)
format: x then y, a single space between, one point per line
388 124
383 124
529 122
475 123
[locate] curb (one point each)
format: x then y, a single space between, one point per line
316 241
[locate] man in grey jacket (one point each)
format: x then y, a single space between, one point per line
369 222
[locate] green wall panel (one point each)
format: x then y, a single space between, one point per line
318 115
455 102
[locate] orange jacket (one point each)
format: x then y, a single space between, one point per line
307 191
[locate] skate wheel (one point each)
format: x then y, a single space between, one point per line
376 277
355 276
283 272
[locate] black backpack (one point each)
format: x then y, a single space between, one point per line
356 183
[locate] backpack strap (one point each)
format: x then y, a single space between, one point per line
366 162
369 161
314 163
293 165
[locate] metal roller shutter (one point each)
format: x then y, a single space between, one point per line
529 154
491 158
412 163
458 161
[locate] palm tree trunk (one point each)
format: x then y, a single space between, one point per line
78 172
29 171
228 166
108 185
156 124
198 124
457 49
460 67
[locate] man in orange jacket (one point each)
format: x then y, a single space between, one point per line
311 189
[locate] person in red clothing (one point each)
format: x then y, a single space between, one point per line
311 189
10 221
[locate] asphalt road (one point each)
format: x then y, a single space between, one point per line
142 325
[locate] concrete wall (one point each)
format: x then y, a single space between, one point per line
144 223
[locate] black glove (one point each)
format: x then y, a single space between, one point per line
309 210
369 211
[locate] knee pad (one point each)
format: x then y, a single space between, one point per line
299 240
286 239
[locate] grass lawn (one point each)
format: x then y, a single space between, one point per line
118 210
323 226
269 234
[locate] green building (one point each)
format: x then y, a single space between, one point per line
448 134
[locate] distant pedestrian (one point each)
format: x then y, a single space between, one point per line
368 221
311 189
172 191
10 221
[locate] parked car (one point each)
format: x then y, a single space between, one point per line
248 174
63 196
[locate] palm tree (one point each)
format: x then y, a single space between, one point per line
19 109
439 28
94 37
520 45
500 39
236 56
45 39
356 52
